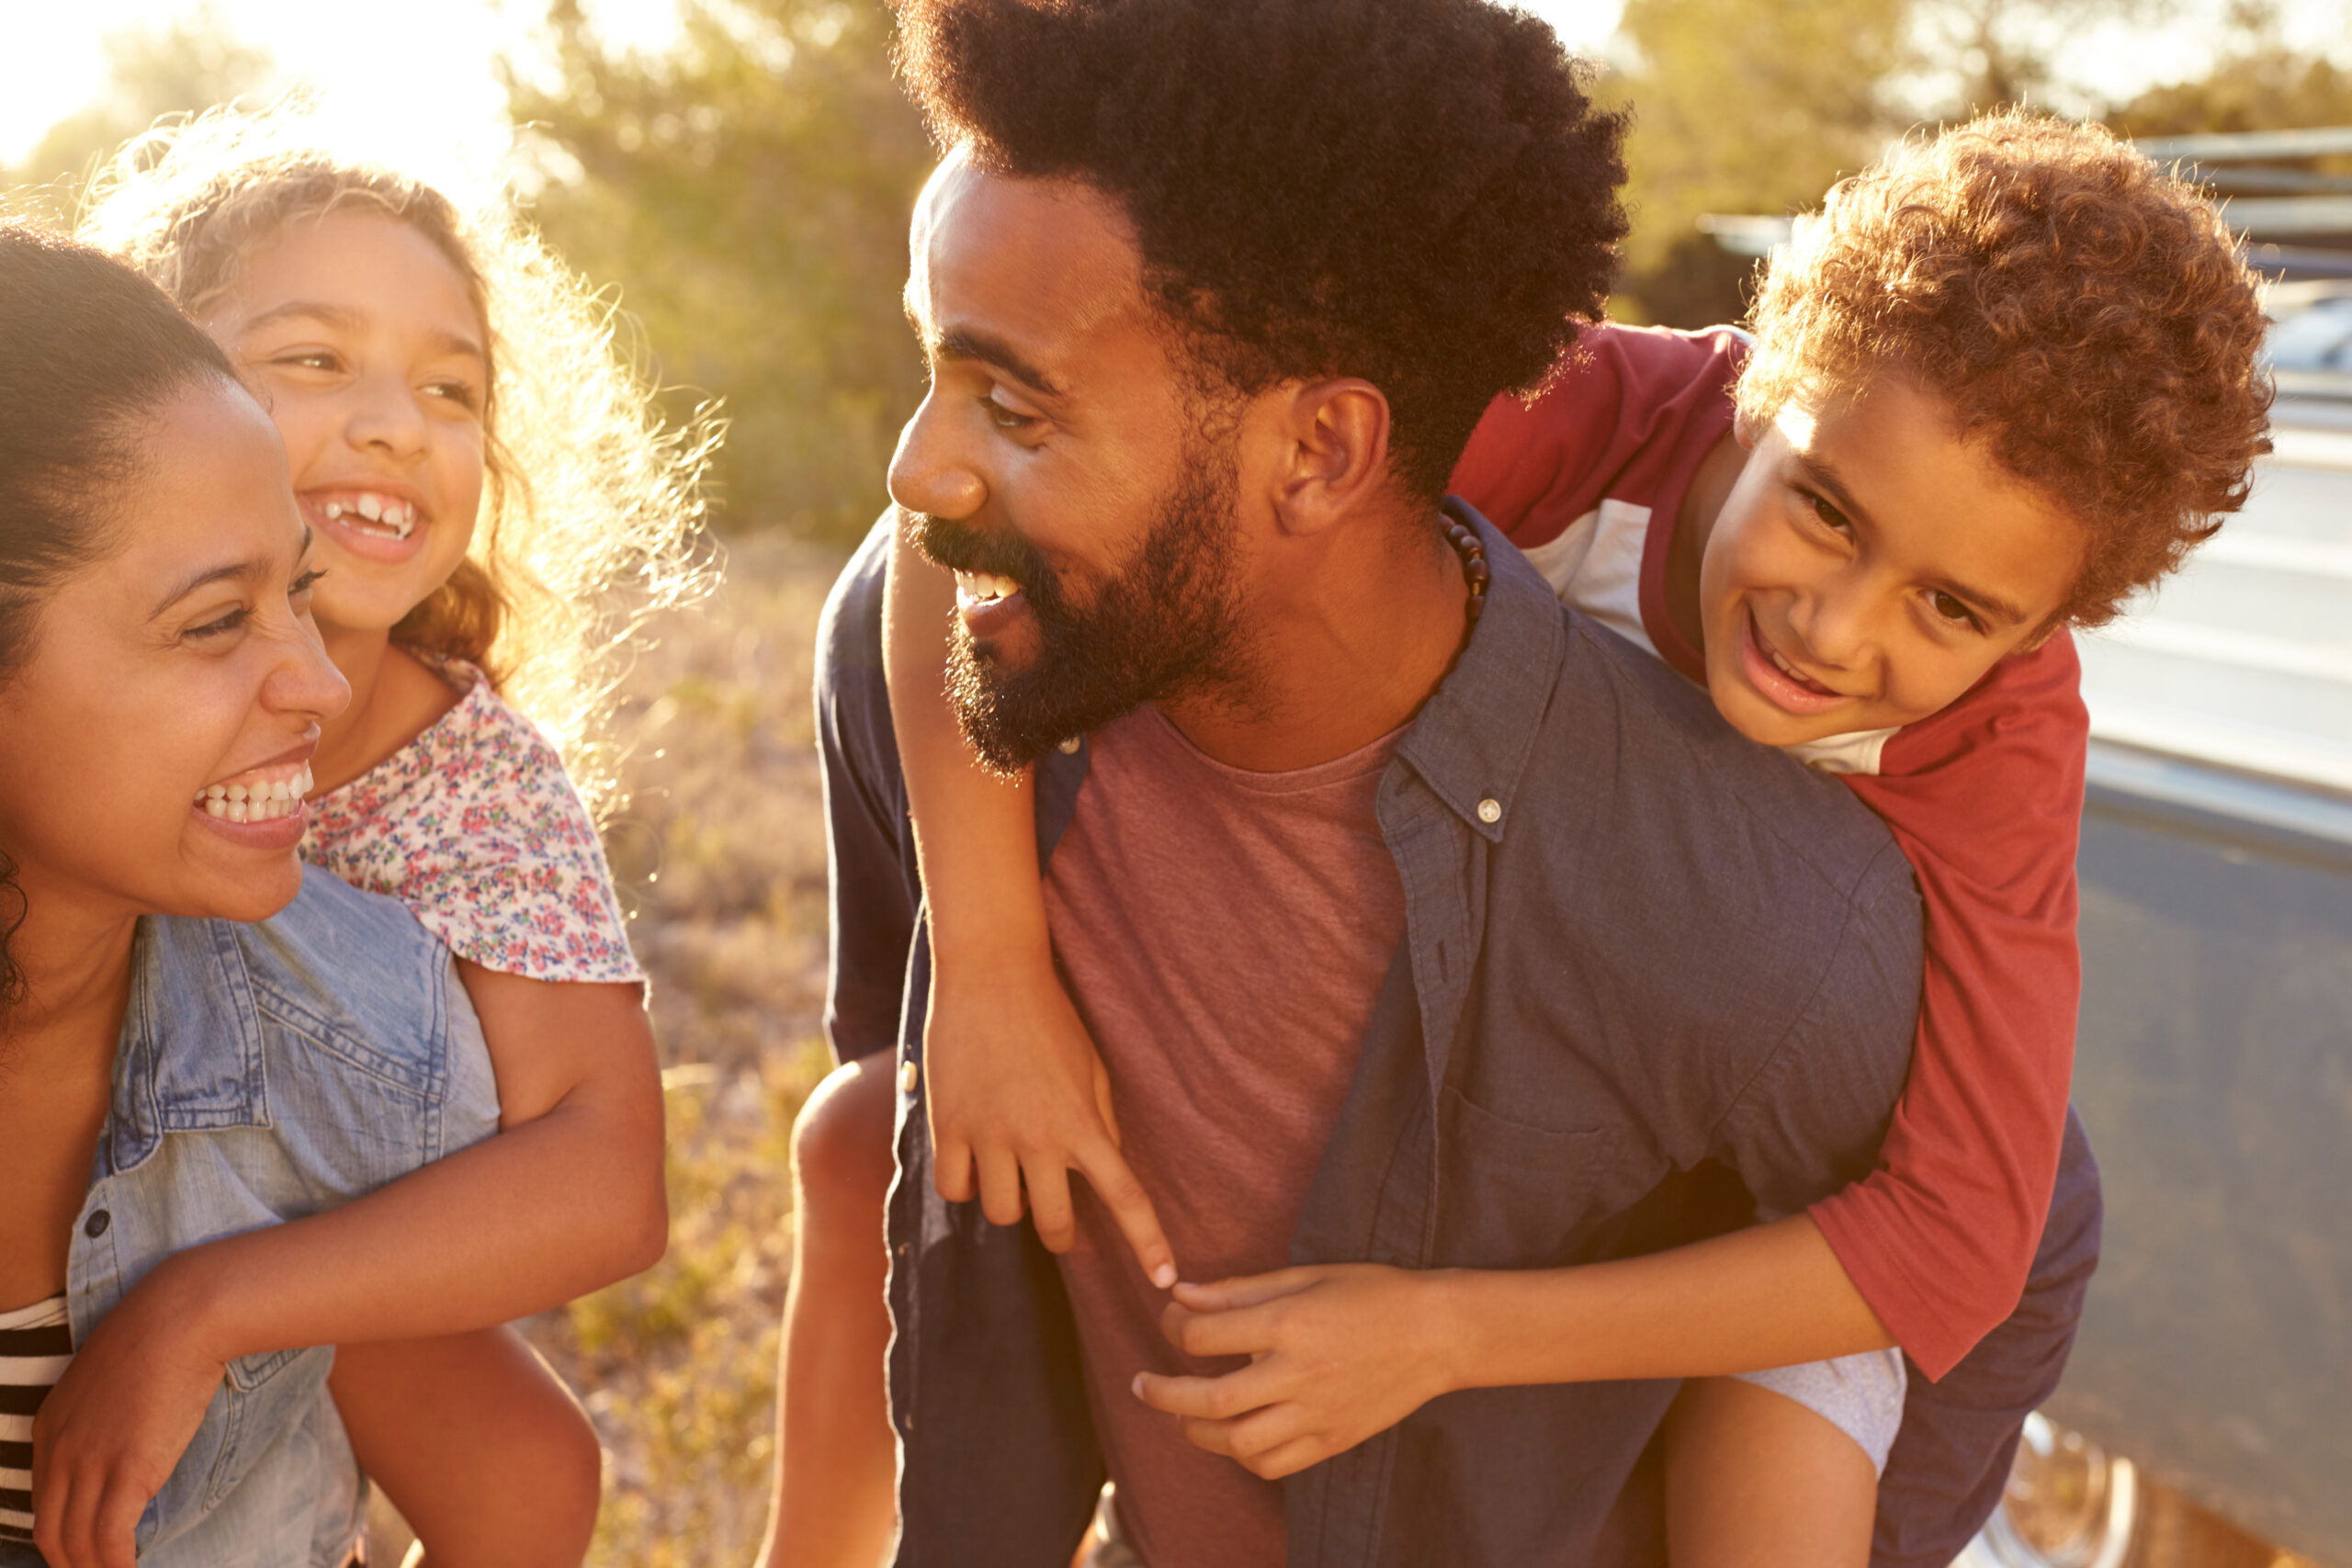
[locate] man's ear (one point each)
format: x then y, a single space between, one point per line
1335 433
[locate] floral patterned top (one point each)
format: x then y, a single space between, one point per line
475 827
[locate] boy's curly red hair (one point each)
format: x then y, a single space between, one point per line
2085 316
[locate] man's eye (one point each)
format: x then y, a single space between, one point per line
1951 609
1004 418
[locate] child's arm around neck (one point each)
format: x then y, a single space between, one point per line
1016 1089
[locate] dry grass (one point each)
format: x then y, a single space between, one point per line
720 854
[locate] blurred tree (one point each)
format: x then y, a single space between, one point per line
188 63
1988 54
2256 83
749 189
1741 106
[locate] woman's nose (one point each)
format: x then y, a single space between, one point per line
927 475
305 681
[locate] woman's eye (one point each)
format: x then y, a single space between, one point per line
223 626
1951 609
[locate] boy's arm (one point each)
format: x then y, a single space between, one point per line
567 1198
1343 1351
1017 1094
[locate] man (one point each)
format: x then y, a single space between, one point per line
1539 966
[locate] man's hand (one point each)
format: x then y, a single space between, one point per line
1337 1353
1018 1094
118 1421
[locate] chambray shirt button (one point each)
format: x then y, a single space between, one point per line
1490 810
96 1226
1069 748
909 1076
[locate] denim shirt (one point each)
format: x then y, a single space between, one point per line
1652 974
266 1072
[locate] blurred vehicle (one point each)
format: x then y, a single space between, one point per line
2214 1063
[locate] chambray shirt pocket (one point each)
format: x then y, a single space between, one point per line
1523 1191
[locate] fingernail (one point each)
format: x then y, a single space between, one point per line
1136 1387
1164 1276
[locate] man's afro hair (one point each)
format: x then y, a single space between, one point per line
1416 192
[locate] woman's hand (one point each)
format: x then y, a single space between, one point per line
1338 1354
1018 1095
110 1431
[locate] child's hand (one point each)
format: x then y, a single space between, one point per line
1337 1353
110 1431
1018 1095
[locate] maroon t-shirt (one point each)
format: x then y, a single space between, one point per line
1224 934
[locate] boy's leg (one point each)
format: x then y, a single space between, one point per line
479 1445
1756 1480
837 1460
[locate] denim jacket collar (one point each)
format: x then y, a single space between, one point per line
194 964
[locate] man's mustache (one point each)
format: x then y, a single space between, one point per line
959 546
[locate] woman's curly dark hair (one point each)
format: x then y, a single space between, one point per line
2085 315
1416 192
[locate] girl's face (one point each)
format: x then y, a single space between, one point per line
370 358
1870 566
159 733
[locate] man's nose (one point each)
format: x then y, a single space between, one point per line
928 474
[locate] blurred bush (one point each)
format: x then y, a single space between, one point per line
749 188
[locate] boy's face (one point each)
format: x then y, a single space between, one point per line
1870 566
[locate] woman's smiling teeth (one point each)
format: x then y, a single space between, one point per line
373 514
983 588
255 796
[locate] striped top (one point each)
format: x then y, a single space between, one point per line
35 1344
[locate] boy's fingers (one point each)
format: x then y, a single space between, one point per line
1049 1204
1243 1332
1287 1459
999 1186
1107 1171
1250 1289
1220 1399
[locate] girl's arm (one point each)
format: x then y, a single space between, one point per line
1016 1092
569 1197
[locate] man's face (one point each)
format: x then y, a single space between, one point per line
1870 566
1059 470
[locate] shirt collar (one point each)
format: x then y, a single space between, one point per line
1470 740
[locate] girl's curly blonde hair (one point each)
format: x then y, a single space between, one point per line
2088 317
592 506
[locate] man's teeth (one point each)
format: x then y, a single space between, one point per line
394 518
980 587
262 800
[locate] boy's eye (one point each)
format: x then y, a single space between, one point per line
1951 609
309 359
1829 514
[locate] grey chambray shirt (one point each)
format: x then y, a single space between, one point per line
1643 955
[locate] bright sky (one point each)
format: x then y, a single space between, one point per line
423 67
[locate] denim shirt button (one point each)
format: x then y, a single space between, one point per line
1069 748
909 1076
96 1226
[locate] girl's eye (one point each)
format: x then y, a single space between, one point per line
303 584
456 392
1952 610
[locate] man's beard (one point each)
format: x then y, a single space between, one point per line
1169 625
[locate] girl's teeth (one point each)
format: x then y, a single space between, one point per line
371 509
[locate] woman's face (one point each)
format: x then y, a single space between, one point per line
159 732
369 355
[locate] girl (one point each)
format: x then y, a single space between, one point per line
495 507
2018 311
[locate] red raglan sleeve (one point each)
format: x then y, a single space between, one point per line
1630 408
1985 799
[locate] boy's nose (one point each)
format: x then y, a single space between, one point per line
927 475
